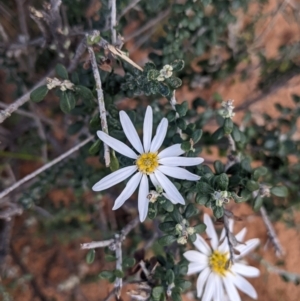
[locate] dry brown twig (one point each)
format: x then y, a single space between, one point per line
43 168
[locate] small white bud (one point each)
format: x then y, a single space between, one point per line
190 230
182 240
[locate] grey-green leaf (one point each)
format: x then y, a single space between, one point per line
39 93
61 71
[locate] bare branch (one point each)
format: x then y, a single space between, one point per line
118 281
147 26
3 34
45 167
271 232
101 103
29 115
97 244
128 8
228 237
113 21
23 99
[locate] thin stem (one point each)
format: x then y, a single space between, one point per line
97 244
118 251
128 8
228 237
45 167
271 232
101 103
23 99
113 21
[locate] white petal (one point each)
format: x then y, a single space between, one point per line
159 135
195 267
241 235
210 231
114 178
202 246
154 180
147 129
130 132
247 247
143 201
169 188
201 281
242 284
128 190
195 256
219 291
178 173
245 270
209 288
230 288
171 151
117 145
180 161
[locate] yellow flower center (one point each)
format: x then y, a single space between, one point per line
147 163
218 262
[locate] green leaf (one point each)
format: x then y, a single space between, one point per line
95 147
177 65
174 82
218 134
237 199
183 269
167 205
201 199
84 92
181 123
61 71
166 240
163 89
193 237
114 162
219 167
152 211
228 126
167 226
200 228
128 263
90 256
95 122
204 188
171 116
236 134
109 275
190 211
259 172
280 191
252 185
196 136
218 212
176 215
170 277
258 202
153 74
75 78
175 296
182 284
119 273
186 146
110 258
39 93
182 108
67 101
157 292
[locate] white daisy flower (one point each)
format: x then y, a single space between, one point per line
148 163
212 263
